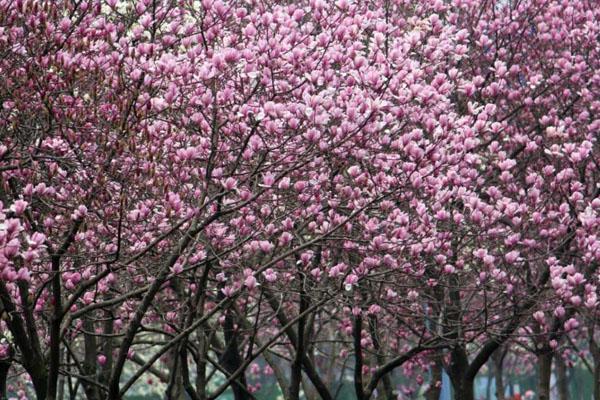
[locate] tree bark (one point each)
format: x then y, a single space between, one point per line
358 358
201 364
296 372
89 359
464 390
386 384
107 345
33 360
4 368
498 359
597 379
562 381
435 385
231 359
544 374
309 368
175 390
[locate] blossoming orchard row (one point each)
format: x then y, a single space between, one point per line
228 194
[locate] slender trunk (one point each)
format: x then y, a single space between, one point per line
498 358
296 373
175 386
57 313
309 390
435 385
55 321
488 384
201 364
89 360
33 360
358 358
386 385
231 359
562 381
596 379
309 368
544 374
64 360
4 368
107 347
278 372
203 342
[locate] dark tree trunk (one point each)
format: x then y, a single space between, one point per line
308 366
498 359
4 368
358 358
175 387
107 345
435 386
464 390
597 379
89 359
595 350
386 384
544 374
296 373
459 363
201 364
231 359
33 360
562 380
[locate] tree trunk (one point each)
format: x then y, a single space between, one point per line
309 368
201 364
107 345
596 379
33 360
544 374
464 390
358 358
387 392
231 359
296 371
488 385
175 390
435 385
562 381
498 359
89 360
459 363
4 368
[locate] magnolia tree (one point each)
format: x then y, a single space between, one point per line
213 192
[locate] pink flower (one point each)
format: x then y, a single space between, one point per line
284 183
571 324
12 248
539 317
374 309
559 312
265 246
268 180
19 207
511 257
23 275
270 275
229 183
250 282
350 281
